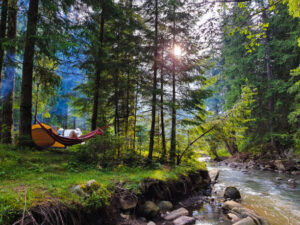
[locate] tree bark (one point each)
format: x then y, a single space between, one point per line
173 129
269 80
152 131
98 73
163 135
8 88
2 34
26 89
135 117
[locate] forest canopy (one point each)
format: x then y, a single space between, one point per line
173 78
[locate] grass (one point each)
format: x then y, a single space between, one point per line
49 176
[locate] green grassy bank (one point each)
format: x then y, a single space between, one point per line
45 176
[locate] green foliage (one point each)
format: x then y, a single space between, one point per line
97 196
230 128
238 65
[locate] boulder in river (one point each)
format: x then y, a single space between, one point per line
246 221
240 212
214 174
291 181
232 193
151 223
165 206
234 218
128 202
176 213
183 220
149 209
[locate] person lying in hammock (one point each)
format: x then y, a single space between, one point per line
70 133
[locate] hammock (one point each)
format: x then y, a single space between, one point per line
65 141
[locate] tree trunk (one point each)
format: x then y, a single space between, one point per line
26 89
135 117
231 147
269 81
98 73
151 143
127 107
2 34
163 135
173 129
8 88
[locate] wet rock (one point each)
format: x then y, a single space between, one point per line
165 206
279 165
214 174
278 178
151 223
233 165
184 220
246 221
128 202
125 216
232 193
291 181
244 170
295 172
176 213
231 204
268 166
234 218
149 209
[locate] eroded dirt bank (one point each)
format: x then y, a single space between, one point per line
125 207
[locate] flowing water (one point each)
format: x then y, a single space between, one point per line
274 200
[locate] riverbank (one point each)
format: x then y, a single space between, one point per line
247 161
39 183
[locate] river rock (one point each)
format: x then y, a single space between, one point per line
128 202
291 181
278 178
149 209
279 165
234 218
214 174
295 172
246 221
184 220
176 213
165 206
232 193
151 223
231 204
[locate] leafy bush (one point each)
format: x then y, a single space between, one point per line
106 151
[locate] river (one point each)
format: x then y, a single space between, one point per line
272 199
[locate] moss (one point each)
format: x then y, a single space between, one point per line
45 176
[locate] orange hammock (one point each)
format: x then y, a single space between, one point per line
45 136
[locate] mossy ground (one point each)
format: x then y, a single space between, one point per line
45 176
